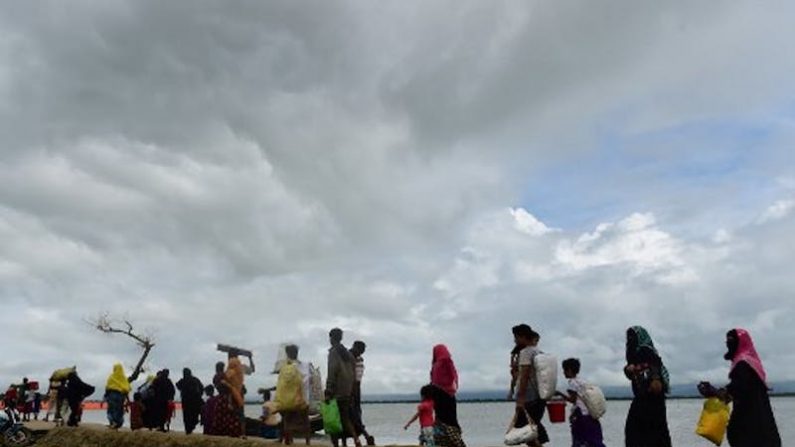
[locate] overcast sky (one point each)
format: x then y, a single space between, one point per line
414 172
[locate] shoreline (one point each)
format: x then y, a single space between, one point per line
492 401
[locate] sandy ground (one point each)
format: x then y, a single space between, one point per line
95 435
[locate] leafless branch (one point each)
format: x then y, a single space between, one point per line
105 324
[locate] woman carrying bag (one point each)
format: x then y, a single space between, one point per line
752 423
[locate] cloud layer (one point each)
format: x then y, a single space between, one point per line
413 173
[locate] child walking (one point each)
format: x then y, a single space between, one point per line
425 415
586 431
136 408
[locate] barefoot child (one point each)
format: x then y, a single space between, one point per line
425 415
586 431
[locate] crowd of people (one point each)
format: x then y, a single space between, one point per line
25 398
752 423
219 407
63 399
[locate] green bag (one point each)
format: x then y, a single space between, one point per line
332 423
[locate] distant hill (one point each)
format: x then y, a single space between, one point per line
611 392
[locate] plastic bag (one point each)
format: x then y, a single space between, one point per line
332 423
594 400
289 388
714 420
521 435
546 368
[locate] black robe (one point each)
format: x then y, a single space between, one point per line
445 407
647 420
191 389
752 423
76 390
163 393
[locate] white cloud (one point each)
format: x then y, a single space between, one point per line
527 223
634 242
778 210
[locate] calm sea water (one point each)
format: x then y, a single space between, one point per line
484 424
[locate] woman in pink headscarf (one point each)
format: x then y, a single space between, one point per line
752 423
443 372
444 381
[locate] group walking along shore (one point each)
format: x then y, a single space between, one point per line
300 395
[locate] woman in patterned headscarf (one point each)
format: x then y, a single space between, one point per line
647 421
752 423
117 392
228 415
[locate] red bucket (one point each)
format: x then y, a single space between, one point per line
557 411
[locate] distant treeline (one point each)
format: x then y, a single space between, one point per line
780 389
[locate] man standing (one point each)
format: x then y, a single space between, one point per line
357 350
339 385
528 400
190 390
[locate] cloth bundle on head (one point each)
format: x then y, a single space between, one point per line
746 352
117 381
443 372
644 346
234 380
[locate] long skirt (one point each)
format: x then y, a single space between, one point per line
647 423
447 435
115 401
228 419
191 410
208 413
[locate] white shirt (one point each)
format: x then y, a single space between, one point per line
359 369
526 357
576 385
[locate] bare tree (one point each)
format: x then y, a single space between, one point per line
104 323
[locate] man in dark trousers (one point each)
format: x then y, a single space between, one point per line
190 390
339 385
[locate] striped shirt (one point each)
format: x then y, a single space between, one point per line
359 369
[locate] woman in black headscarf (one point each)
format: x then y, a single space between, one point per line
163 394
647 421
